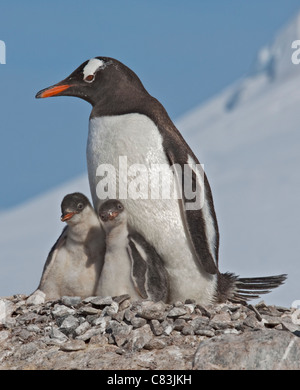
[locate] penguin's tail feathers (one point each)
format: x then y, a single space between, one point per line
240 290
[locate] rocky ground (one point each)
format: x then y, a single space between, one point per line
115 333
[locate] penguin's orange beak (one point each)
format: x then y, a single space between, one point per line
112 215
67 216
52 91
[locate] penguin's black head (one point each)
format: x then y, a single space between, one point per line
73 204
110 210
100 81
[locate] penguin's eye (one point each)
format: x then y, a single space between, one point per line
90 78
79 206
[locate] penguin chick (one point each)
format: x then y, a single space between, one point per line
131 265
75 261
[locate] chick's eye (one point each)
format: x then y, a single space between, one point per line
90 78
80 206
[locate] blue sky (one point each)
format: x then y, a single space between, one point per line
183 51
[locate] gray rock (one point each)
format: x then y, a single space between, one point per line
251 321
121 298
152 311
119 332
156 327
110 310
102 302
27 350
179 323
89 299
290 326
22 334
57 336
37 298
82 328
155 343
6 310
271 321
178 304
89 334
260 350
205 332
101 322
128 315
88 310
187 330
124 305
62 311
223 316
137 322
138 338
68 326
199 322
235 315
4 335
71 301
119 316
177 312
33 328
73 345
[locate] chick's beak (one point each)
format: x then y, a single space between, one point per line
112 215
66 217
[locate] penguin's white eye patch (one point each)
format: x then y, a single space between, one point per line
91 68
90 78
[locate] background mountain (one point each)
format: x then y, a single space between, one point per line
248 139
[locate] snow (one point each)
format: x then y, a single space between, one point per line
248 139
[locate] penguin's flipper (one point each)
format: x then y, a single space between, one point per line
240 290
198 214
156 280
52 255
138 268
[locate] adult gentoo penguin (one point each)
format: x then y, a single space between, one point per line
74 263
131 265
127 121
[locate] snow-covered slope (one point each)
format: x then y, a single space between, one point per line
248 138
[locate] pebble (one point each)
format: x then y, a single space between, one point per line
102 302
71 301
156 327
88 310
69 324
179 323
205 332
72 323
62 311
187 330
177 312
138 338
73 345
152 311
58 336
37 298
137 322
82 328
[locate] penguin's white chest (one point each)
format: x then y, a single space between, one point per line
131 147
115 278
